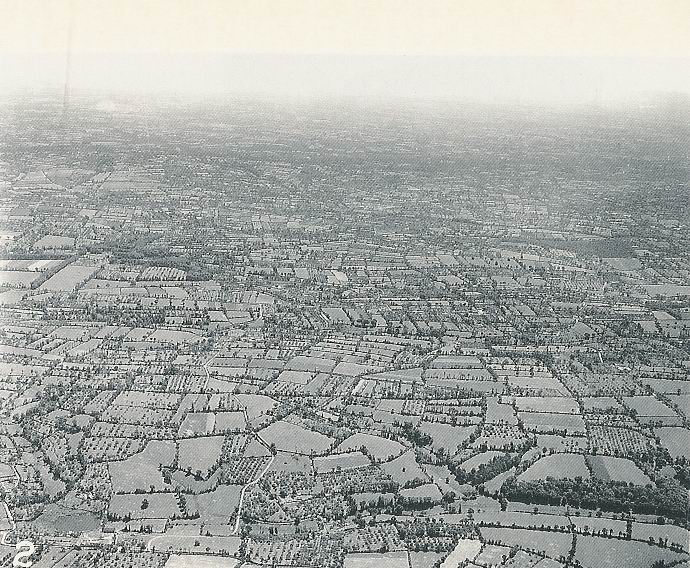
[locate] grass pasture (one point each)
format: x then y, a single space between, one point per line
199 454
17 279
475 461
180 544
68 279
350 460
552 544
141 471
376 560
424 559
682 402
197 423
594 552
404 468
558 466
219 505
57 519
257 404
552 422
520 519
381 449
296 377
674 533
648 406
492 555
293 438
428 492
675 440
229 422
446 436
600 403
557 404
441 476
200 561
466 549
609 468
160 505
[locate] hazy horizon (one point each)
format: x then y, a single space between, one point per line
496 51
490 79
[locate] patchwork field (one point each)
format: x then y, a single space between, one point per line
610 468
445 436
558 466
69 278
142 471
675 440
144 506
553 544
199 454
380 449
376 560
293 438
593 552
345 461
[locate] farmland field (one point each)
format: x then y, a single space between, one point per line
591 403
350 460
219 505
229 422
427 492
481 458
68 279
293 438
466 549
558 466
185 544
144 506
381 449
424 559
257 404
675 440
522 519
404 329
558 404
446 436
552 422
17 279
404 468
682 402
674 534
141 471
648 406
31 265
62 520
553 544
376 560
610 468
594 552
197 423
199 454
492 555
200 561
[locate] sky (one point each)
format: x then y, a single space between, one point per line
493 50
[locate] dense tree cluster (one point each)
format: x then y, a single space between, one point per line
484 472
415 435
667 497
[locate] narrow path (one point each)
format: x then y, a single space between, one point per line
8 514
236 528
243 491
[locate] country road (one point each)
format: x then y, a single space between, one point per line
244 489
